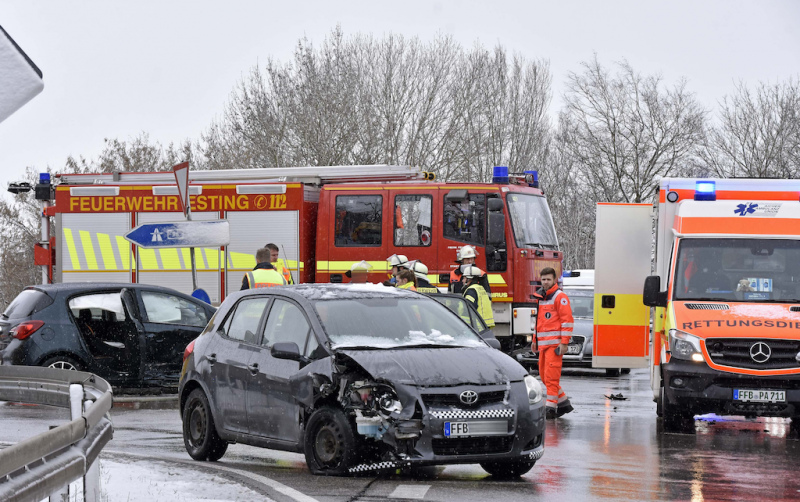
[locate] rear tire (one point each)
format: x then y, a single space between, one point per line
612 372
330 443
626 371
63 363
199 432
675 418
509 468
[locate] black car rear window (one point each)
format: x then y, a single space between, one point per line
26 304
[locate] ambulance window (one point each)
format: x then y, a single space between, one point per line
359 220
412 220
465 220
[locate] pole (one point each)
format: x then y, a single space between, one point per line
45 240
286 265
191 254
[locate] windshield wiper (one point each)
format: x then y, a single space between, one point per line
357 347
540 245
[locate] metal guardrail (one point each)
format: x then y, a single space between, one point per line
42 466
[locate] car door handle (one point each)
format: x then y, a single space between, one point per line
212 359
253 368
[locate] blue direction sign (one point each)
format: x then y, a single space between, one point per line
182 234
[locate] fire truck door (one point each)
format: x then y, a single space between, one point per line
623 249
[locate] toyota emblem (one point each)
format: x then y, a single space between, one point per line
760 352
469 397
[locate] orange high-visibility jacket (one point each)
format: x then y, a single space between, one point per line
554 320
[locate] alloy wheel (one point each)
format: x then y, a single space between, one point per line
63 365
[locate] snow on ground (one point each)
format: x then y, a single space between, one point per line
152 481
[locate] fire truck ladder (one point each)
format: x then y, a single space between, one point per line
316 175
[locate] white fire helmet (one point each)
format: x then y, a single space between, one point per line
397 260
361 266
467 252
419 269
470 271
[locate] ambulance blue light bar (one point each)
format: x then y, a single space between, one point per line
500 175
705 190
532 178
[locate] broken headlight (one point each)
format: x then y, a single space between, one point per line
684 346
535 392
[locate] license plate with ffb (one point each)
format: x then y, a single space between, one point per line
759 396
475 428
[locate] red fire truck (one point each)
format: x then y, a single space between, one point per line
324 219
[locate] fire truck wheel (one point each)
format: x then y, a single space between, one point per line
675 418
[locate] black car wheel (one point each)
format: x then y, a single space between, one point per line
675 418
509 468
199 432
612 372
63 363
330 442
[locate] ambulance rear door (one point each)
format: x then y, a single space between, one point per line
623 250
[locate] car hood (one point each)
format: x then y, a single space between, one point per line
737 320
439 367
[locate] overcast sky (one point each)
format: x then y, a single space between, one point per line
115 69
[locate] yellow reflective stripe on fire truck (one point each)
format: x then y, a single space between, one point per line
107 252
88 249
124 248
496 279
147 257
212 257
344 266
169 259
73 253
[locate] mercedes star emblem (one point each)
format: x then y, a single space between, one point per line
469 397
760 352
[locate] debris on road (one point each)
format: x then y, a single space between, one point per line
617 397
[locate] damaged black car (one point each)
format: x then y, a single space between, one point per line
359 378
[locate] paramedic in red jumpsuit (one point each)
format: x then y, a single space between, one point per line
553 331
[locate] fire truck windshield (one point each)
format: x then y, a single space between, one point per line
745 270
531 220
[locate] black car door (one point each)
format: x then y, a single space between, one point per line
170 322
229 357
271 403
136 338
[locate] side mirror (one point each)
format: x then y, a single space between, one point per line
287 350
495 205
496 235
493 343
653 296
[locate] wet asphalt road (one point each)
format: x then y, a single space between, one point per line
605 450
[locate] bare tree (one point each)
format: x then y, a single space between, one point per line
628 130
133 155
19 219
362 100
758 134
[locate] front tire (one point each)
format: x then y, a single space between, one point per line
199 432
509 468
330 443
675 418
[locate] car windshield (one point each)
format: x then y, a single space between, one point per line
745 270
387 323
582 301
531 220
460 307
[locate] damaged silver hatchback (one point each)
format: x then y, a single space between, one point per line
359 378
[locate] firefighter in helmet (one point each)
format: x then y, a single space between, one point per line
397 262
264 275
455 276
359 272
280 266
467 256
475 293
421 272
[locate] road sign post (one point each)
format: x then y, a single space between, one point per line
181 172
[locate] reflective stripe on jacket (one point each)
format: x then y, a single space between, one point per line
287 274
265 278
423 286
408 285
554 319
484 304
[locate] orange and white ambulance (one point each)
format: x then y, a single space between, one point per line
725 293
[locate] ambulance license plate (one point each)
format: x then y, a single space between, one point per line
573 349
759 396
